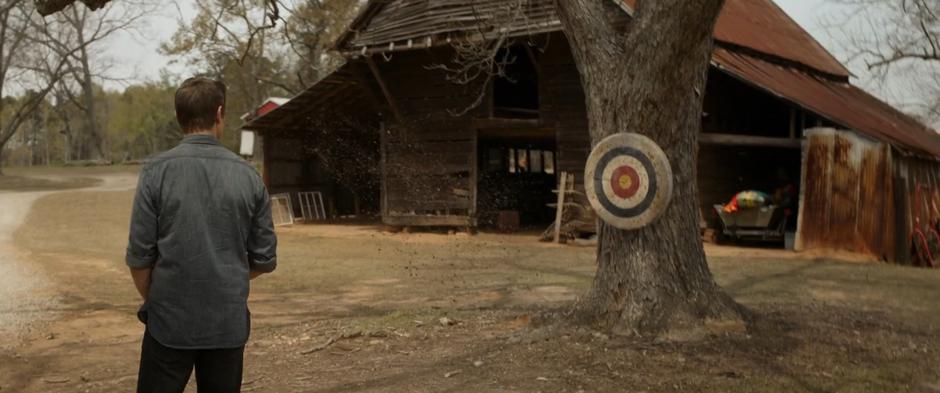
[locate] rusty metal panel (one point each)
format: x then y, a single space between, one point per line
902 203
760 25
843 192
848 199
875 203
814 207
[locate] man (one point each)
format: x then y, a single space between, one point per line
200 230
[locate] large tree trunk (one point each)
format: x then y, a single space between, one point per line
94 140
91 142
647 75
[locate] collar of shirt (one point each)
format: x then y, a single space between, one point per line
200 139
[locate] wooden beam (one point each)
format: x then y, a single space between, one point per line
560 209
428 220
533 61
508 123
707 138
388 95
361 76
266 160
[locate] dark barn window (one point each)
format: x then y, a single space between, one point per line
516 176
516 95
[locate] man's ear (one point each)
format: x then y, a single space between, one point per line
219 123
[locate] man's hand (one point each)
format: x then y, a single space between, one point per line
142 281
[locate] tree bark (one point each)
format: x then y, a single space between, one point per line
92 133
647 75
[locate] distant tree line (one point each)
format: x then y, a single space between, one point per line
54 108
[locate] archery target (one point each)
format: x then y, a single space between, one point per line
628 180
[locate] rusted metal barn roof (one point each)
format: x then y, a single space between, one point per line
762 26
389 25
840 102
757 42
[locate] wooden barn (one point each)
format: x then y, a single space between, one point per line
391 132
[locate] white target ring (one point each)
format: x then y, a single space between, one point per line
628 180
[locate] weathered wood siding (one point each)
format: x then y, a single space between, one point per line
416 23
326 140
848 197
562 104
283 161
430 158
289 169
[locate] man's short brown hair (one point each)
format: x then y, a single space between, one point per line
197 101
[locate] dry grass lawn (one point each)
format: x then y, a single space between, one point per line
823 326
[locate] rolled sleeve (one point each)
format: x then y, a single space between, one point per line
142 249
262 241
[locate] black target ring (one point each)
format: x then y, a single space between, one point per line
628 180
599 182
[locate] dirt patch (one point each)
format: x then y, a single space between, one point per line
27 184
822 325
27 294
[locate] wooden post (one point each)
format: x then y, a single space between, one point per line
388 95
792 122
559 211
474 176
798 244
383 162
266 162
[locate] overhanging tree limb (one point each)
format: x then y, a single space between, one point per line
49 7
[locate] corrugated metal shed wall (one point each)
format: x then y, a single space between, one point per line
865 196
847 200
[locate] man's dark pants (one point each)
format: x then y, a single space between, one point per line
167 370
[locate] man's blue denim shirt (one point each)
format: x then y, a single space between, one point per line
202 221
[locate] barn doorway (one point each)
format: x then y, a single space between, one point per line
516 176
726 170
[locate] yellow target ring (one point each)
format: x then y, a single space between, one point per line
628 180
625 181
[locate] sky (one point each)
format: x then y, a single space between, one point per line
136 56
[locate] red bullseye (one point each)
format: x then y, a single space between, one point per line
628 180
625 182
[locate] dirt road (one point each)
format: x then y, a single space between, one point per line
26 294
378 300
23 290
